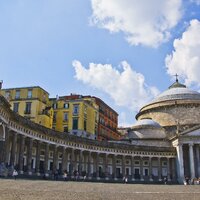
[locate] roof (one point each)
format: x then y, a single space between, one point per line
29 87
177 91
146 122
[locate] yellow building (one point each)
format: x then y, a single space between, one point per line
30 102
76 114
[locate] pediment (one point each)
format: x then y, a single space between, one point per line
192 133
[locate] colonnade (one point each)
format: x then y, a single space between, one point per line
36 157
188 155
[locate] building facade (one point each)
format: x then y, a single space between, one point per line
30 102
151 152
108 122
84 116
75 114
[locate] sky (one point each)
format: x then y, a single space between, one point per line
125 52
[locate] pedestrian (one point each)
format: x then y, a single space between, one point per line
15 174
126 180
65 176
165 180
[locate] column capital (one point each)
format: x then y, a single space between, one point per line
178 144
191 144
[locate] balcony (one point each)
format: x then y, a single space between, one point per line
44 112
27 112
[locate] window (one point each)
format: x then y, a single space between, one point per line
28 108
145 163
85 125
75 109
75 123
7 95
65 129
65 105
65 116
44 97
54 116
16 107
55 105
127 162
96 117
146 172
17 94
85 110
29 94
137 162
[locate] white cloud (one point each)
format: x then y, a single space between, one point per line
127 88
143 22
185 59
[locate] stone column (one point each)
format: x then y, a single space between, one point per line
46 160
97 166
37 166
80 162
123 166
7 146
180 170
75 161
141 169
174 174
114 167
64 160
159 169
89 165
192 171
21 154
106 166
29 159
132 168
150 169
198 160
168 169
55 158
13 149
2 147
2 144
72 163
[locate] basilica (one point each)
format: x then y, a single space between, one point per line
163 143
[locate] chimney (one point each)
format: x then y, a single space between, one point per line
1 82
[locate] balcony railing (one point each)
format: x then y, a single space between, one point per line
27 112
44 113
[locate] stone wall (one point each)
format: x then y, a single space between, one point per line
171 114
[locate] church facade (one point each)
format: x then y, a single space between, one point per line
163 143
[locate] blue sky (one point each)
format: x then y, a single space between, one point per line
122 51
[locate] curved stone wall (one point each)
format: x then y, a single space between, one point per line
35 150
169 113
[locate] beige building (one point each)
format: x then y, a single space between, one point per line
30 102
163 143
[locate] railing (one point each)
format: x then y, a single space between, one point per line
44 113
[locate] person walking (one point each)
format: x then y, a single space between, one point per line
15 174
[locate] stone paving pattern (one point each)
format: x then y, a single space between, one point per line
58 190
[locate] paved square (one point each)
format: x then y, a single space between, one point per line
28 189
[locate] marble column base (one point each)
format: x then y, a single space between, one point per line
30 173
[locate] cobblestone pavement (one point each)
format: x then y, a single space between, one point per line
58 190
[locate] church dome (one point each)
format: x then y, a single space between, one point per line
177 91
177 103
147 129
146 123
